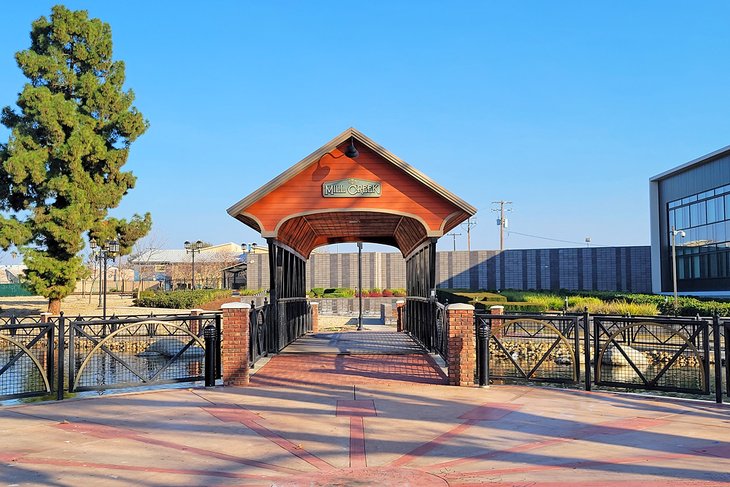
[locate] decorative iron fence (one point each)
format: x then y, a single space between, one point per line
663 354
534 347
426 320
657 353
259 333
26 357
92 353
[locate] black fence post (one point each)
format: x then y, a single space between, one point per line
726 332
60 357
587 348
484 332
209 334
218 337
717 344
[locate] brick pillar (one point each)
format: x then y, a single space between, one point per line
234 345
462 344
496 325
45 317
195 324
315 317
400 307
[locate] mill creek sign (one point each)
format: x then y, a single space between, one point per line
351 188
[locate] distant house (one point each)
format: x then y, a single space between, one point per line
173 268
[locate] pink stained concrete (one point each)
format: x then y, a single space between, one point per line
356 429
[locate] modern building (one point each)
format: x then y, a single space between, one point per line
581 269
692 203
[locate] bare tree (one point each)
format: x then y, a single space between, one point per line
143 254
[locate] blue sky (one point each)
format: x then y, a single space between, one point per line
565 108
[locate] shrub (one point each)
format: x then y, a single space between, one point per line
387 293
399 293
183 299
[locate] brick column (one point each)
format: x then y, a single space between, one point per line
315 317
400 308
46 317
195 324
234 345
496 325
462 344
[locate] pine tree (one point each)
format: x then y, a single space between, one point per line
61 169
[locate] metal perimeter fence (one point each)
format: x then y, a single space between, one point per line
39 358
656 353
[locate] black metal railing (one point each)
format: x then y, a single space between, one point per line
663 354
529 347
26 357
127 352
294 319
92 353
259 334
655 353
427 322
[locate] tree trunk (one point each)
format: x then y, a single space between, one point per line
54 306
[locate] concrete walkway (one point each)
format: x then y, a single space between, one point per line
365 419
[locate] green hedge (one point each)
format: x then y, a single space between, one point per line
466 296
338 292
183 299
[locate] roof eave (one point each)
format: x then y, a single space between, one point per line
688 165
282 178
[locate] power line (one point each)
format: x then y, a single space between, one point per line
468 224
454 235
552 239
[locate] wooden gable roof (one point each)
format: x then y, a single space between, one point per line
292 209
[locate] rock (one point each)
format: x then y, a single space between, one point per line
563 360
170 346
613 356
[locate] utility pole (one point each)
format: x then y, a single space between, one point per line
454 235
470 222
501 221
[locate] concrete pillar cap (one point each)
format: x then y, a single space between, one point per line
314 303
235 306
496 306
400 301
460 307
197 310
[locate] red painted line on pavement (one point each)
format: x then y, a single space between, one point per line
567 465
20 458
490 411
485 412
357 442
607 428
427 447
109 432
245 417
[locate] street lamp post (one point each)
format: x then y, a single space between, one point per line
102 253
674 262
192 247
359 286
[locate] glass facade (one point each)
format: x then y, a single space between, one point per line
704 253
